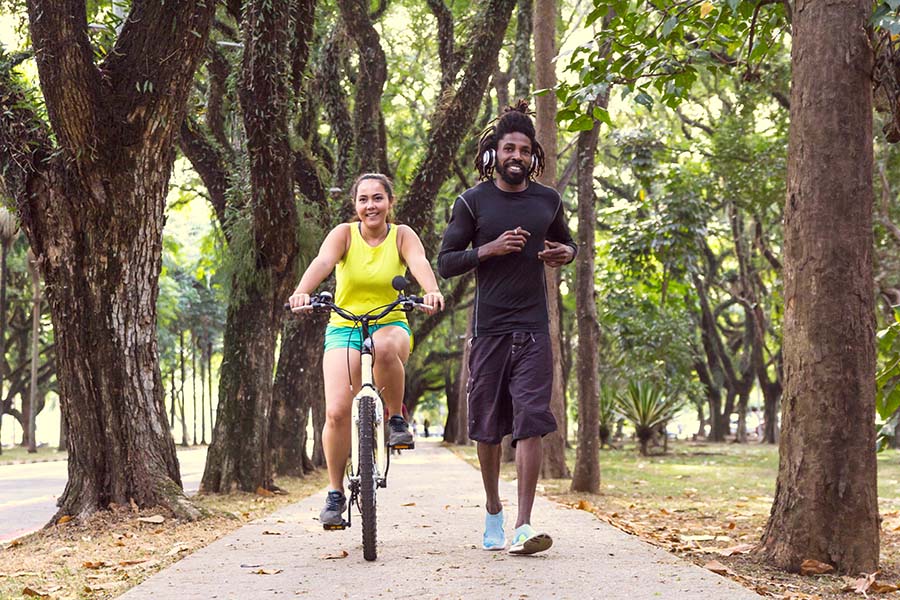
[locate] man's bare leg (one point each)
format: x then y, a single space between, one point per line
489 458
529 454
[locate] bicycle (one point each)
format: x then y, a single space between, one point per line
370 459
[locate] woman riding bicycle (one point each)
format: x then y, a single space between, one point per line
367 254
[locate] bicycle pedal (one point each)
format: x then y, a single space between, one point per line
333 527
410 446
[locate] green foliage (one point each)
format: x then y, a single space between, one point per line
660 48
609 413
887 381
647 407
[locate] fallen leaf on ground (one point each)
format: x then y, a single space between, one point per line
267 571
64 519
271 532
341 554
697 538
739 549
178 549
815 567
717 568
33 593
261 491
99 587
94 564
585 505
155 519
409 504
128 563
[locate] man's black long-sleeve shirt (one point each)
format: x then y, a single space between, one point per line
510 290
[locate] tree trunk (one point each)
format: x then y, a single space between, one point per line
35 351
202 394
92 199
826 501
462 427
209 395
586 476
194 389
239 454
554 465
298 381
181 402
520 66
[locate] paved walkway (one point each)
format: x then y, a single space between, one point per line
430 520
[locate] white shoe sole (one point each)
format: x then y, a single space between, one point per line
533 545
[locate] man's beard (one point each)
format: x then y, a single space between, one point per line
512 178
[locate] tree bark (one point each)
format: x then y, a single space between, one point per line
238 456
826 508
520 66
586 476
462 427
92 203
298 383
370 150
554 465
35 352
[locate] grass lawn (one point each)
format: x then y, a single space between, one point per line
710 501
17 454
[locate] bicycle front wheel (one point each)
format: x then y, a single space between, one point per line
367 475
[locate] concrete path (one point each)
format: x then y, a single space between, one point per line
429 532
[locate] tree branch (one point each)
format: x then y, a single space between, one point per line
210 164
69 79
453 118
446 44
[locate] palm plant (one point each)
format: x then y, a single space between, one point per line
608 412
647 407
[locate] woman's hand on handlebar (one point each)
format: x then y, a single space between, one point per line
299 302
433 301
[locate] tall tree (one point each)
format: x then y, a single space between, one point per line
827 509
586 476
554 465
91 200
238 456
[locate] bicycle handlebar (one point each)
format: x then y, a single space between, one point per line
322 303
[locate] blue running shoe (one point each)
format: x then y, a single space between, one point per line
494 538
526 540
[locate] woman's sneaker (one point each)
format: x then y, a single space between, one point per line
400 436
494 538
332 516
526 540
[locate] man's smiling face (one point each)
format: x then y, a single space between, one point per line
514 158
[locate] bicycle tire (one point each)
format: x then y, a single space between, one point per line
367 475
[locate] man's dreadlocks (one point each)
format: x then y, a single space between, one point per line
514 119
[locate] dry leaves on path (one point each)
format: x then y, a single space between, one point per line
154 520
815 567
341 554
717 568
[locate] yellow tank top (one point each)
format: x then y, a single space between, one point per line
363 277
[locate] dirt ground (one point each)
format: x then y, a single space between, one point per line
115 550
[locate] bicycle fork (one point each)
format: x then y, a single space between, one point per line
381 459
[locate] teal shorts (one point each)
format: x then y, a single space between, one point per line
351 337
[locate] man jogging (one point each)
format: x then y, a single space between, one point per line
514 226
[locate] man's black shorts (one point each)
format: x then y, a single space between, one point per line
509 388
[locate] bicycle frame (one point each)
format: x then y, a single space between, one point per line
367 388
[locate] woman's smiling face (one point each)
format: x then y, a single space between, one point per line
372 203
